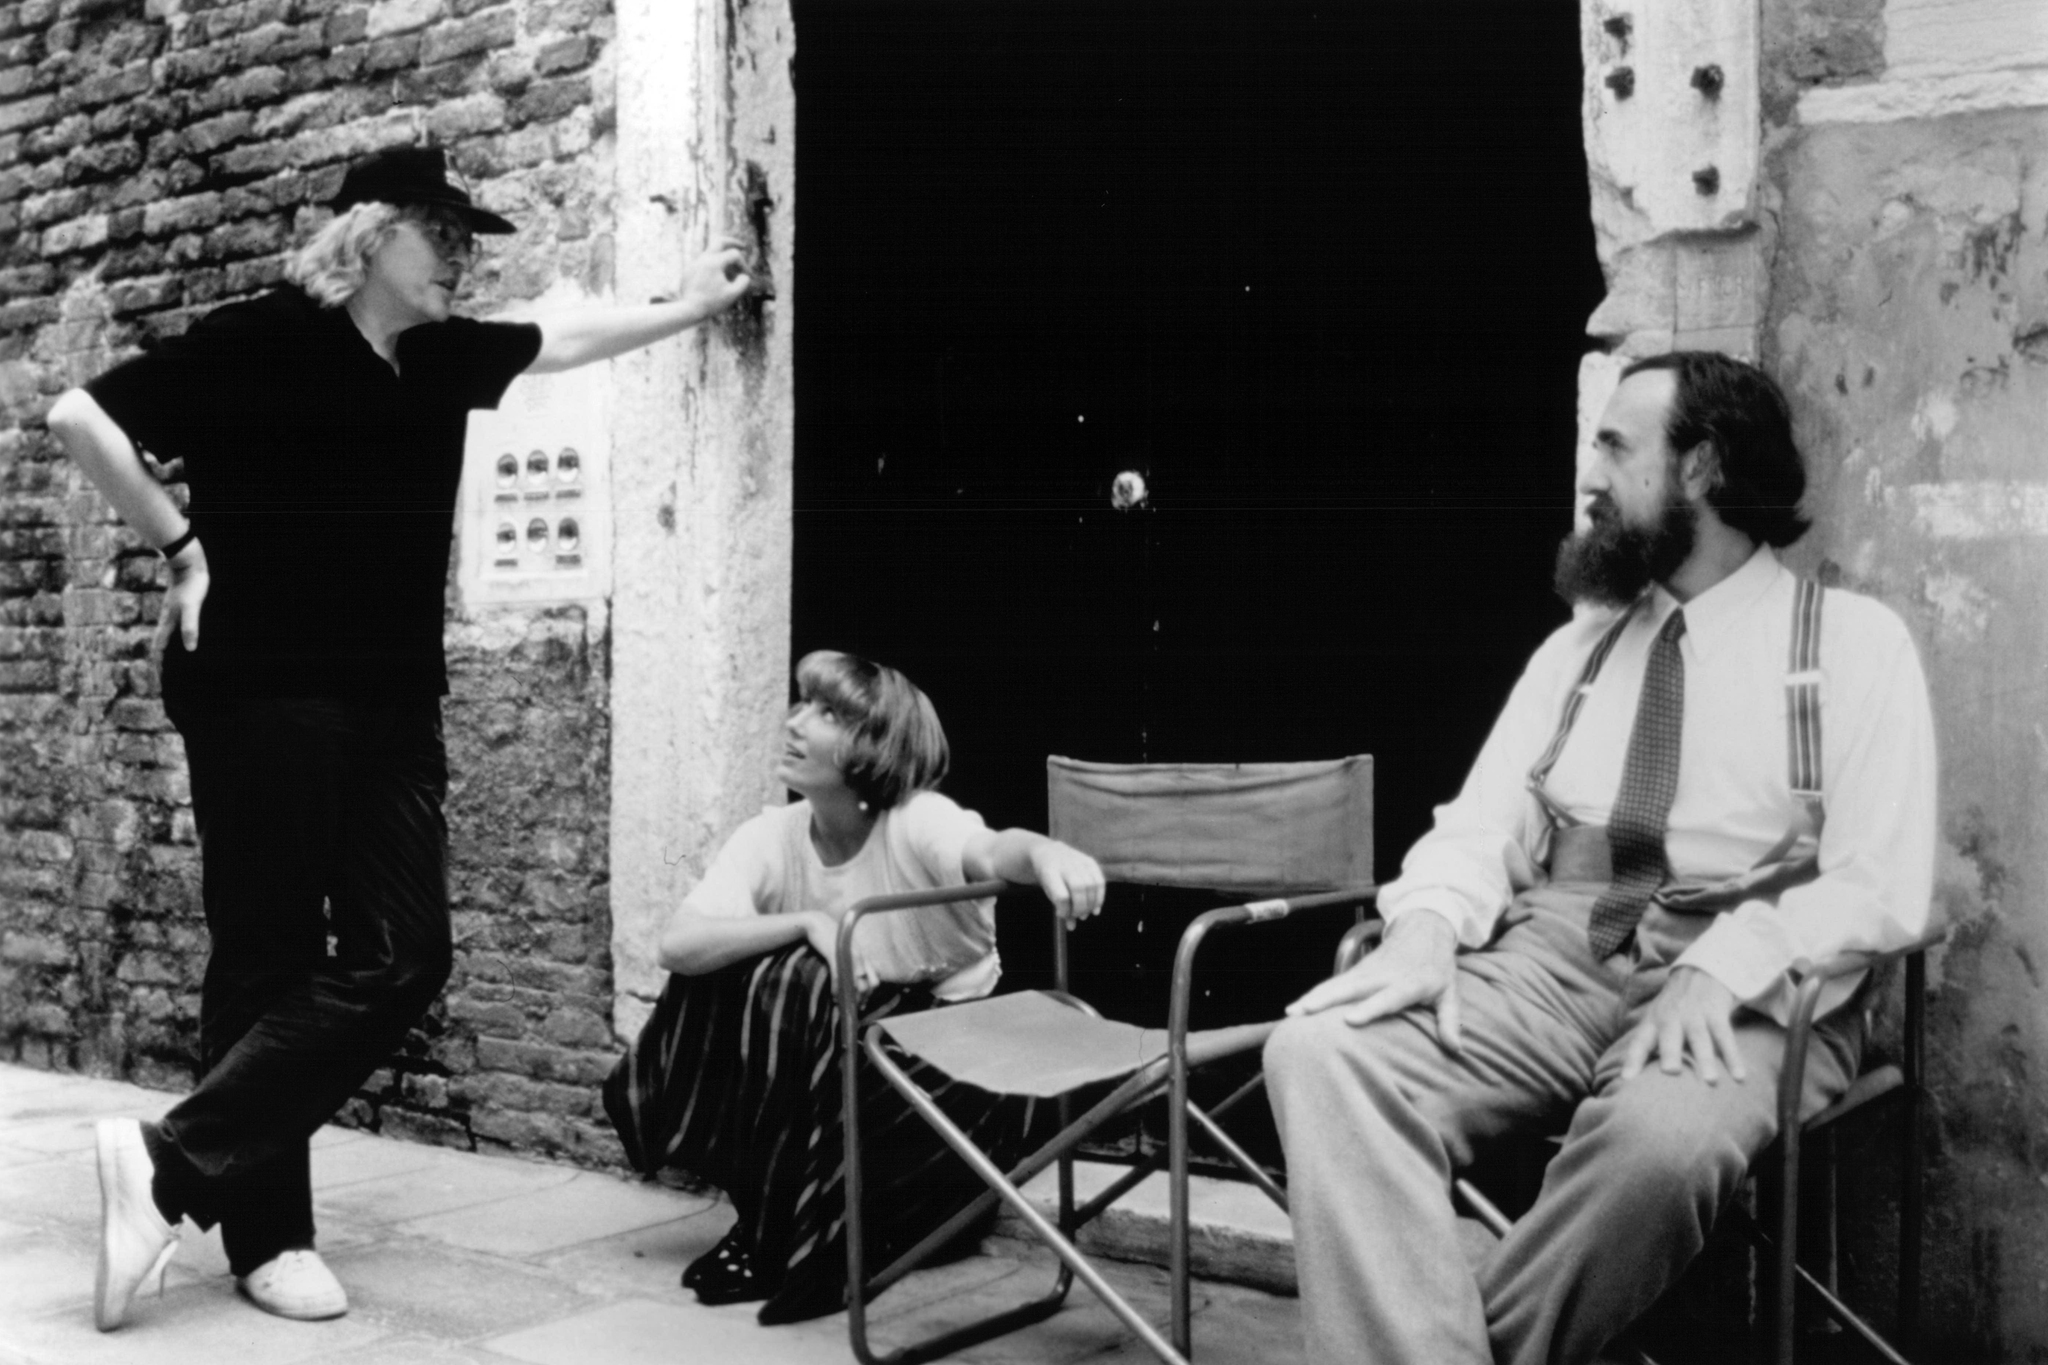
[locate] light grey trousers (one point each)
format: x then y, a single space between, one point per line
1376 1120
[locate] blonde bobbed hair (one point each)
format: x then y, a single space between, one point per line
894 745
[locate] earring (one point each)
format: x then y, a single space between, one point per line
863 808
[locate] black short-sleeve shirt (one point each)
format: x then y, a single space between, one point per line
323 487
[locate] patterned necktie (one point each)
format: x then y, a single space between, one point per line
1649 778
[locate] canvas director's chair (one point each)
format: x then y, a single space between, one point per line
1291 837
1777 1171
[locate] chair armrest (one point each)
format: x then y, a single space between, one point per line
1251 912
1806 1002
1842 964
1358 940
849 989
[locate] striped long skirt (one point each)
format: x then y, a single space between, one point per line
737 1079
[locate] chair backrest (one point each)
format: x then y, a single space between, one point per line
1261 828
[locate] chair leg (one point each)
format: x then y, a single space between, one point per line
1912 1213
1832 1225
1786 1277
1076 1266
1158 1161
1912 1171
1230 1148
859 1285
1178 1287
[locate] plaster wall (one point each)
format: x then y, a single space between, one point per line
1940 57
1908 320
701 461
1887 264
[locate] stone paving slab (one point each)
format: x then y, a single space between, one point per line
1238 1234
588 1206
993 1282
20 1156
25 1080
418 1288
644 1332
645 1262
402 1350
201 1323
454 1258
57 1135
336 1164
453 1182
36 1278
57 1188
35 1098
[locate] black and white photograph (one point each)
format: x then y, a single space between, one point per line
1278 682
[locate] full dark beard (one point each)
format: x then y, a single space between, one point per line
1611 563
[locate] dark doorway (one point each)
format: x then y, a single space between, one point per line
1317 272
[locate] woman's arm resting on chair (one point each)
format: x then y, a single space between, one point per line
1071 880
693 944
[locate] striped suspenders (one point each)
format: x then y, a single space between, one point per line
1540 774
1802 705
1803 698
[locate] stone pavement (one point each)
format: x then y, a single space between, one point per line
452 1257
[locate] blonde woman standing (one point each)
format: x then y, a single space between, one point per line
321 429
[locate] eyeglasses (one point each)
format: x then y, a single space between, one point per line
451 240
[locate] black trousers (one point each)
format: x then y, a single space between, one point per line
324 867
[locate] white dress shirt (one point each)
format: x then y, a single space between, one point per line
1734 799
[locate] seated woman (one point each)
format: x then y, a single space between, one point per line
736 1077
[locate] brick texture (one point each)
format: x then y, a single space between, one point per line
156 160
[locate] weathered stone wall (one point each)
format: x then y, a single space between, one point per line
1908 319
155 160
1884 259
703 463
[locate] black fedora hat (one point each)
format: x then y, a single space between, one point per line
412 175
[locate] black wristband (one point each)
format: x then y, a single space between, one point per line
191 534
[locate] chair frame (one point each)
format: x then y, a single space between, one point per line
1166 1075
1906 1081
1778 1235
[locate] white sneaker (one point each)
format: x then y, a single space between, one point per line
295 1284
136 1244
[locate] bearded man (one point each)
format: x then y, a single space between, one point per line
1601 934
321 428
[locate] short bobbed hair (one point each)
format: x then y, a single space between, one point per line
335 260
1741 414
894 745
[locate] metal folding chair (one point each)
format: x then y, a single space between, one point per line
1298 836
1776 1233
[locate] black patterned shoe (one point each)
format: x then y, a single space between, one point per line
725 1274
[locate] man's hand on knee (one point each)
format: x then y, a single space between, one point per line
1693 1013
1416 964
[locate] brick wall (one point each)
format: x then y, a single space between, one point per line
156 159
